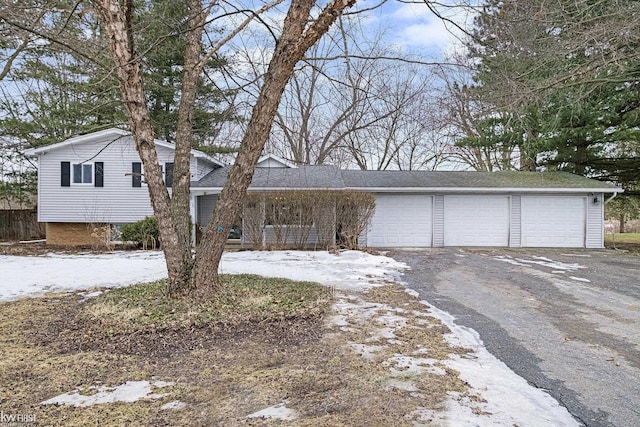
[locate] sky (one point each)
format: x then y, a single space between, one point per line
417 29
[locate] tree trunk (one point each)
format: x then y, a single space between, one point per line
117 22
623 218
289 49
180 197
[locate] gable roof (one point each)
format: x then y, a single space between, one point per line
277 159
331 177
111 134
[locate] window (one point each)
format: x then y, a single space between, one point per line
83 173
137 174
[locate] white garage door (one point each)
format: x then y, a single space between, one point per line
401 221
553 221
476 220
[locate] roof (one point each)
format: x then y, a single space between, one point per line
111 134
468 180
301 177
330 177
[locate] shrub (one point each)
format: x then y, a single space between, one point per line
144 233
287 218
354 211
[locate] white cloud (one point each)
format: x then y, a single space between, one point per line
418 28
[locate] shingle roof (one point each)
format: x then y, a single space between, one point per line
465 179
330 177
318 177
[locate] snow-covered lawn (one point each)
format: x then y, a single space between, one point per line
28 276
509 399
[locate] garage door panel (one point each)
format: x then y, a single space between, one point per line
401 221
553 221
478 220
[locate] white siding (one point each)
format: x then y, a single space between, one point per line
438 221
553 221
516 222
476 220
116 202
595 222
271 163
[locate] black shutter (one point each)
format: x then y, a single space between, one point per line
65 174
98 174
168 174
136 174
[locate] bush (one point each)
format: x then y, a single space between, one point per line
144 233
288 218
354 212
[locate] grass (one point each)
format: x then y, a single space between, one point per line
622 238
625 241
256 343
242 299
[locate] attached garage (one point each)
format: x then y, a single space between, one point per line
476 220
554 221
453 208
401 220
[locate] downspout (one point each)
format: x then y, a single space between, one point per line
611 198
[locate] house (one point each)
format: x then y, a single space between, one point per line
95 179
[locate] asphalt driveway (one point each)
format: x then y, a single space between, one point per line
568 321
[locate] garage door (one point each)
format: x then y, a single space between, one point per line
553 221
401 221
476 220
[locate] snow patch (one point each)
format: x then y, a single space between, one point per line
538 260
508 398
175 405
349 270
580 279
279 411
131 391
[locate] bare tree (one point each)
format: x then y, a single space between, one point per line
356 102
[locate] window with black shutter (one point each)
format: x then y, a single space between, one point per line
168 174
99 174
65 174
136 174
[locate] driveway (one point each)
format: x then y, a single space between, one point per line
568 321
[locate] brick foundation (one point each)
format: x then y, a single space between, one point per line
76 234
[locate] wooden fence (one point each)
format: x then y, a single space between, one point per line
21 225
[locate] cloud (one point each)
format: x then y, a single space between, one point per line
418 28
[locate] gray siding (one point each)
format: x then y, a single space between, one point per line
206 204
438 221
515 228
595 222
362 239
116 202
291 233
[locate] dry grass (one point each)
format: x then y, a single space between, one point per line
260 343
625 241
